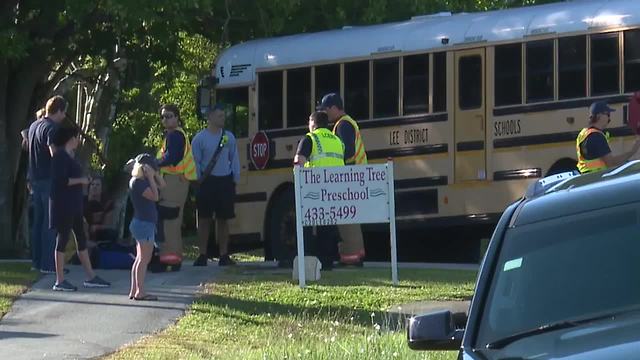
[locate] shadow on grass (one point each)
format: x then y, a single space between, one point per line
230 306
375 278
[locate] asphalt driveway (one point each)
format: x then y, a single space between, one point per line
93 322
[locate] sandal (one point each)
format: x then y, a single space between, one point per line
147 297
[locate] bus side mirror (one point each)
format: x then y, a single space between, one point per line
434 331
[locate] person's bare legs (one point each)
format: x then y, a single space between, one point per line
134 269
222 230
59 258
83 255
146 250
204 226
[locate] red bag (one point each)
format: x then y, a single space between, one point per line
170 259
634 112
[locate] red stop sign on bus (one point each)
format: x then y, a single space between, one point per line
259 149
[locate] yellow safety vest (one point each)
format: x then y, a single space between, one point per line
327 149
360 156
186 166
584 165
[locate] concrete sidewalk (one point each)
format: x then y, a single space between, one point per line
93 322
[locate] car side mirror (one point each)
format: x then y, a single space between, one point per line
435 331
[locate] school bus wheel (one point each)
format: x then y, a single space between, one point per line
562 165
282 226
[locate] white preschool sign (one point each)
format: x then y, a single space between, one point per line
357 194
344 195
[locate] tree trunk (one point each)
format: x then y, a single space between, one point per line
5 176
17 86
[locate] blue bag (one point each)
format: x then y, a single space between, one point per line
114 256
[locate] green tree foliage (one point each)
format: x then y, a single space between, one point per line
248 19
40 39
137 127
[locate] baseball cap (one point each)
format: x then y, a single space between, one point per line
329 100
600 107
147 159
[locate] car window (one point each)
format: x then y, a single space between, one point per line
563 269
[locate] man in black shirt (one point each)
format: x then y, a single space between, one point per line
310 154
40 149
594 153
352 245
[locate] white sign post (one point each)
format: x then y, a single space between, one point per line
357 194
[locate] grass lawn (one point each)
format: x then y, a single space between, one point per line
15 278
254 313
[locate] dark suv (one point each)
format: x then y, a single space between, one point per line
560 280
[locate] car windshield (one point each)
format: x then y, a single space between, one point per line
563 269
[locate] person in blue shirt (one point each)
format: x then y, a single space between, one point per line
143 192
177 169
65 207
593 151
39 139
216 194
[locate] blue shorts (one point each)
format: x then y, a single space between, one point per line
143 230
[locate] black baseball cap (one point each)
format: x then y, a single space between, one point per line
600 107
147 159
329 100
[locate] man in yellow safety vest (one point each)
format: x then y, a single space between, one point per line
177 168
321 148
592 143
352 245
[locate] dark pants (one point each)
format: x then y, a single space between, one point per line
43 239
66 224
324 245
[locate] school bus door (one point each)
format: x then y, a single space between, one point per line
470 116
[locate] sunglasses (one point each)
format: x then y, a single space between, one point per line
167 116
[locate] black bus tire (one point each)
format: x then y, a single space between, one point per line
282 227
562 165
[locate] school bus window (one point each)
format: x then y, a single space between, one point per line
632 60
508 74
604 64
298 96
237 100
470 82
327 80
439 82
572 67
539 65
356 89
416 84
386 91
270 100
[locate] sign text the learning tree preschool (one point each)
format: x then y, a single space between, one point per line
344 195
355 194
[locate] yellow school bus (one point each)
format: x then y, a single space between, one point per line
470 106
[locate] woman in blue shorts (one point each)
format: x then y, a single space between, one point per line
143 192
